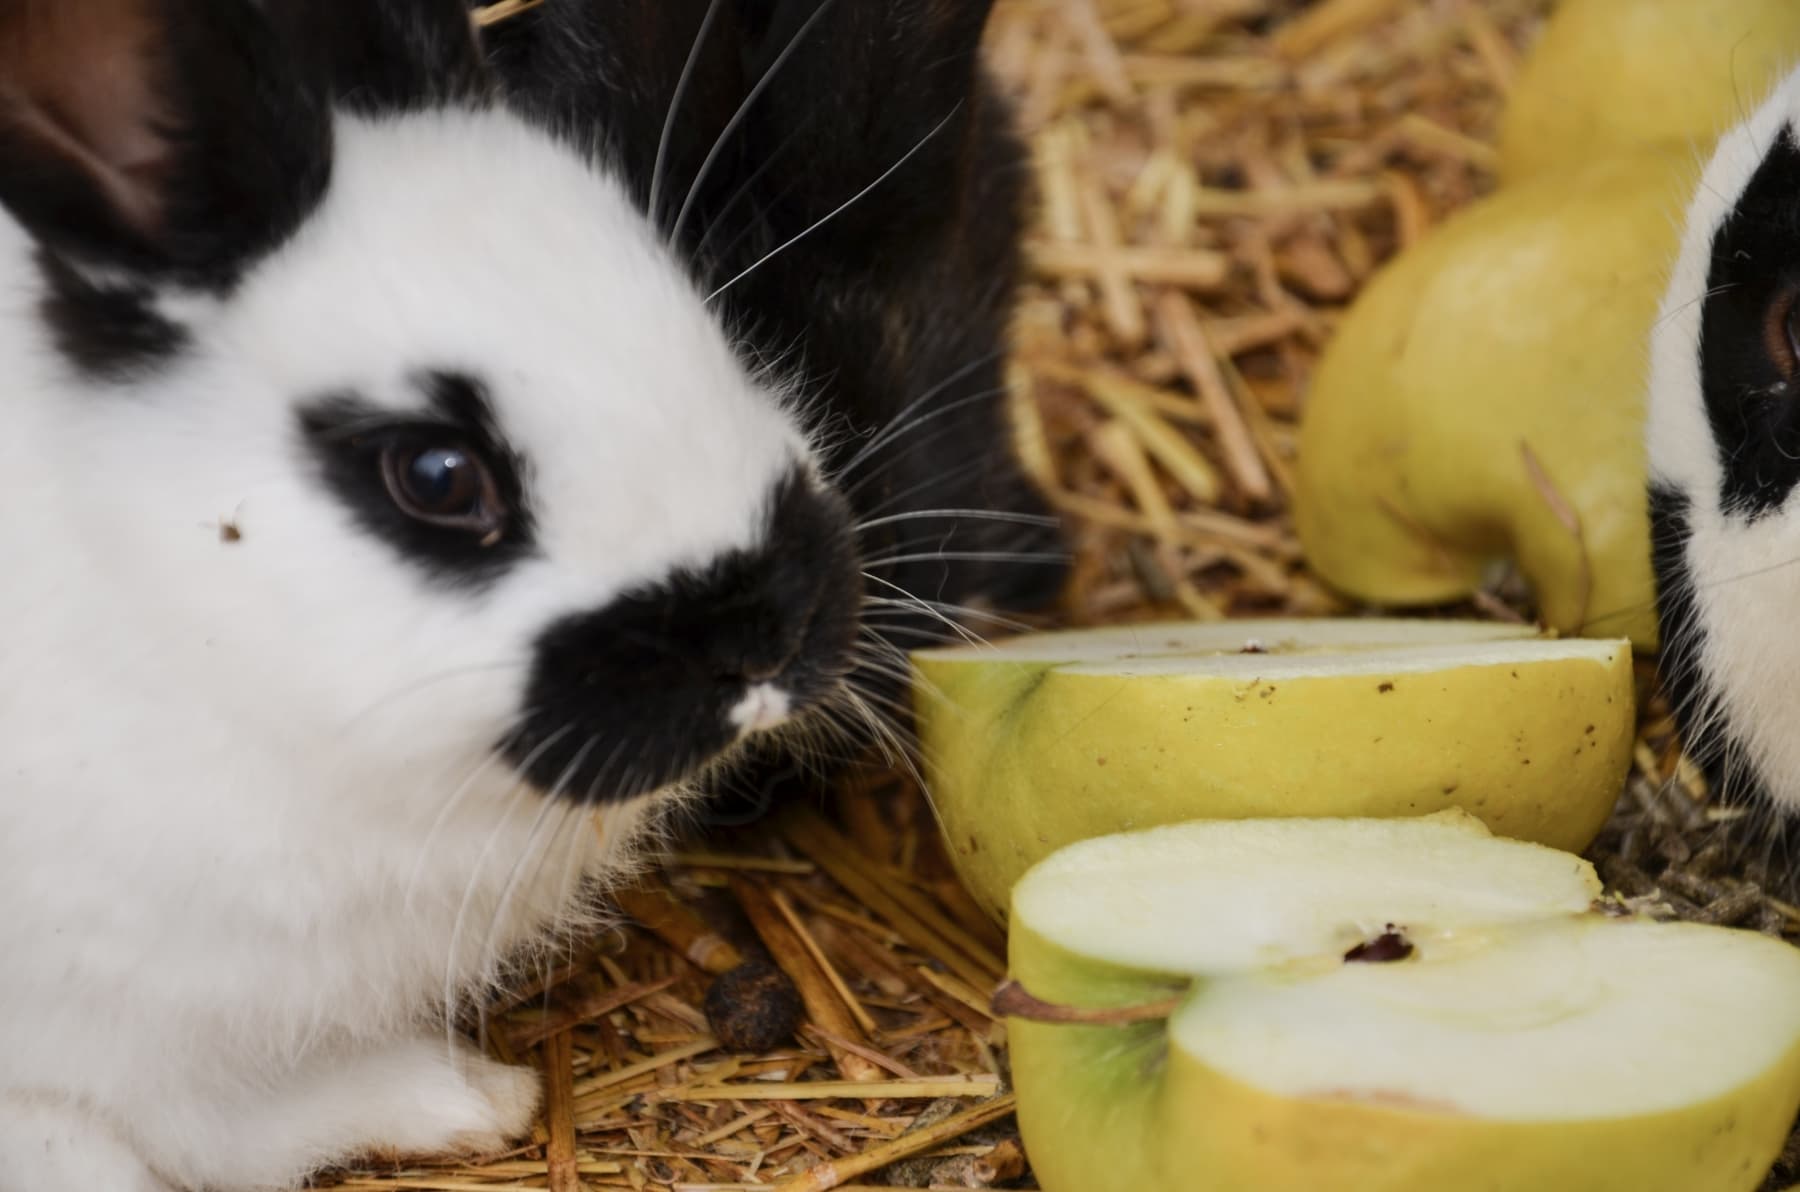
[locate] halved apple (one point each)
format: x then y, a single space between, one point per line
1406 1005
1047 739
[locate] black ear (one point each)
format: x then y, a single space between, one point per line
170 139
388 55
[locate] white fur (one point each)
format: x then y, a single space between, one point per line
1746 575
250 834
765 707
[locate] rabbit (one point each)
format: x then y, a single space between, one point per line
873 242
1723 440
411 517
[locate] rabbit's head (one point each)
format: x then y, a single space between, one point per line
1724 448
334 381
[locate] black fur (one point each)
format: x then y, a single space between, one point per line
108 331
386 56
637 694
347 437
893 308
240 115
241 136
602 73
1753 405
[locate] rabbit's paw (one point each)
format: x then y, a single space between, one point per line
512 1097
444 1102
412 1099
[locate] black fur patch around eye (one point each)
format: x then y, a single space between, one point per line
106 332
347 436
1753 410
636 695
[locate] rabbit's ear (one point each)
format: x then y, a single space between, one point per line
385 56
167 139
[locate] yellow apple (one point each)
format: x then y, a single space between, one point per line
1611 75
1384 1006
1048 739
1484 400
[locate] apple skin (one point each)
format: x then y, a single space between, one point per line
1522 322
1092 1105
1113 1109
1248 1141
1023 758
1610 75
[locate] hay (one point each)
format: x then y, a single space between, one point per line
1218 179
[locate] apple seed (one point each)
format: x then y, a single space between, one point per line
1388 947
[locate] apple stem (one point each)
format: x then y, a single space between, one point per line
1012 1000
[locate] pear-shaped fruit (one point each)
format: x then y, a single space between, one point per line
1612 75
1484 400
1384 1006
1053 738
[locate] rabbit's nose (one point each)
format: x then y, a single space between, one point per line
764 707
780 655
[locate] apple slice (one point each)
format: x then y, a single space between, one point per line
1186 1014
1047 739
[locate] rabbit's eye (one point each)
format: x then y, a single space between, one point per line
1781 333
1793 336
446 485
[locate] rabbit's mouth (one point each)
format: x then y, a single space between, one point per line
647 691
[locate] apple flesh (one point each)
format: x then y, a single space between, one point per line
1048 739
1500 1035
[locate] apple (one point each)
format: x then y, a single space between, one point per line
1611 75
1484 400
1047 739
1401 1005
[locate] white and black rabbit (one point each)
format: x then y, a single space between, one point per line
859 221
1724 455
388 489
